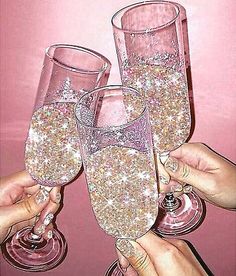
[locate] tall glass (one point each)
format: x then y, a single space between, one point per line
150 49
117 153
52 155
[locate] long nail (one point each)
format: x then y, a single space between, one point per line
123 269
163 180
177 188
42 196
49 235
172 164
187 189
40 230
49 217
58 198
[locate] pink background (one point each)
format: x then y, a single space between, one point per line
28 27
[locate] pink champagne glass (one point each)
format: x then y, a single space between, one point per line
117 153
52 155
150 49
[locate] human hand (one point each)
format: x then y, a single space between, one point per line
213 177
21 201
151 255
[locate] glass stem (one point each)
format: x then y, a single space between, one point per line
170 203
32 239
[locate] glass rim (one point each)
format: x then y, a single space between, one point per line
105 66
110 87
137 4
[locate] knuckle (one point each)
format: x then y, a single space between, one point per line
180 244
26 206
142 262
185 171
170 251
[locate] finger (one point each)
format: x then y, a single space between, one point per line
47 215
163 177
190 152
25 209
123 262
125 266
136 256
55 195
17 227
187 252
185 173
48 234
22 179
12 187
163 254
32 190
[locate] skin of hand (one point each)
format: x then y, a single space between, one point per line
22 203
151 255
212 177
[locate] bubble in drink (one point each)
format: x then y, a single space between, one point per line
123 190
52 155
166 93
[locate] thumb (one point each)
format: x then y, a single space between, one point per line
25 209
185 173
136 256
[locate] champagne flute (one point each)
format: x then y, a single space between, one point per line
52 154
150 50
117 153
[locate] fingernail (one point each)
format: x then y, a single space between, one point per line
177 188
163 180
49 235
163 157
172 164
122 268
42 196
125 247
48 219
187 189
58 198
40 230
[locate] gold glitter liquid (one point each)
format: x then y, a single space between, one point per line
52 155
123 191
168 103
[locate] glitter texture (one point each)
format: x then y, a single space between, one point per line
126 248
52 155
65 93
42 196
123 191
165 90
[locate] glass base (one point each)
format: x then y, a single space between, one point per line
114 270
28 254
181 220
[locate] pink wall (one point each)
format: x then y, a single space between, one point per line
28 27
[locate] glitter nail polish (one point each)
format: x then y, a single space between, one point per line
41 229
49 235
187 189
48 219
42 196
172 165
58 198
163 180
177 188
